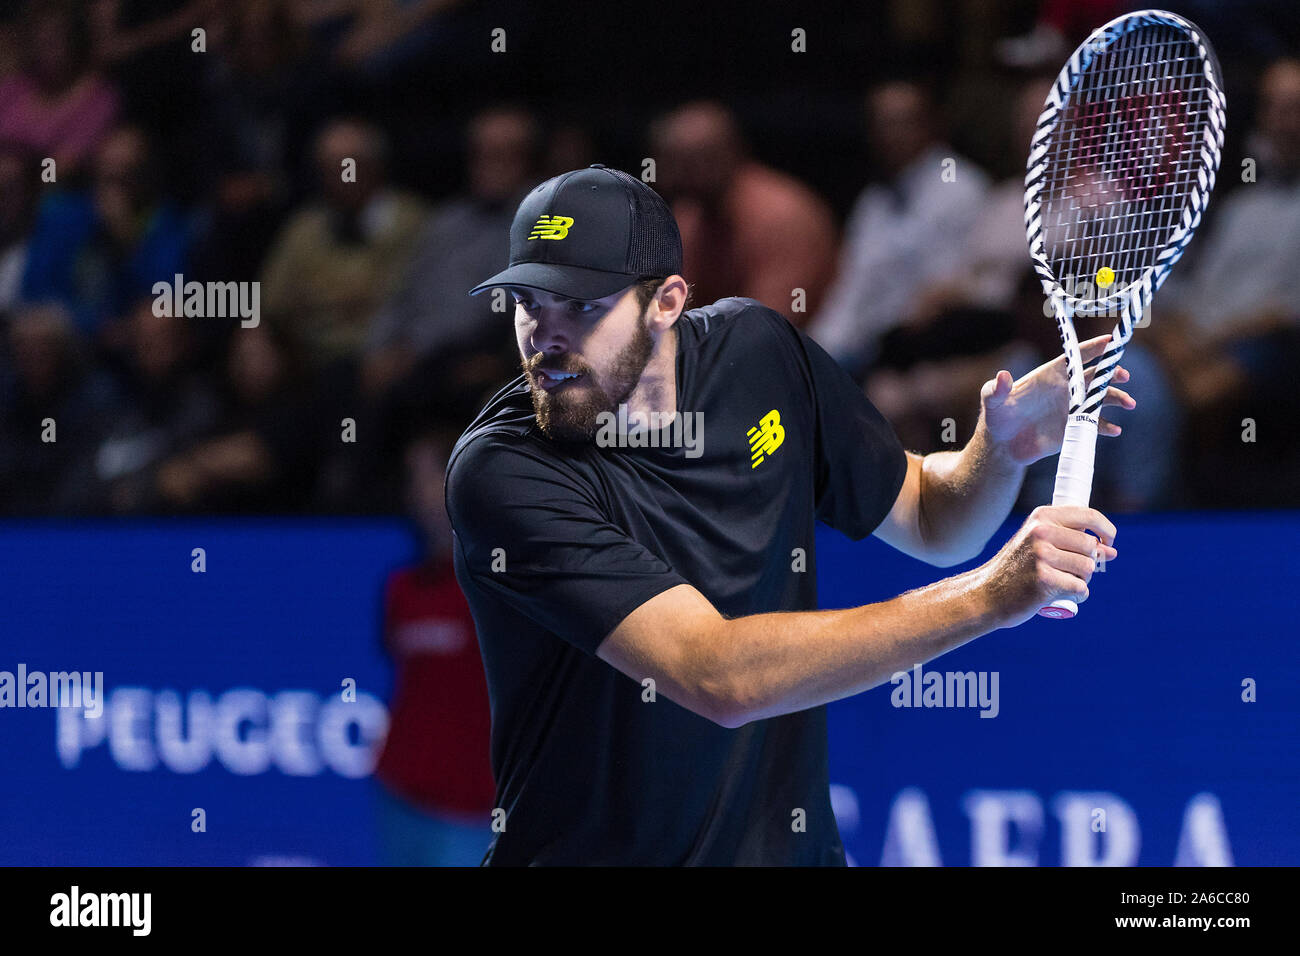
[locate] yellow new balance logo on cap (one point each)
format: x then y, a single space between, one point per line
551 227
766 438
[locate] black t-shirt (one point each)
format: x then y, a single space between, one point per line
557 543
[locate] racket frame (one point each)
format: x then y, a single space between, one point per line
1075 465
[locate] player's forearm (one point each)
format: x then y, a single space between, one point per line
966 495
773 664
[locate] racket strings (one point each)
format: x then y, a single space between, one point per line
1124 158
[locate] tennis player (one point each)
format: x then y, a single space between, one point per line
634 523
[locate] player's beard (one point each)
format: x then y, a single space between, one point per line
572 412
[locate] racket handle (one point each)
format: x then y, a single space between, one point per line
1073 487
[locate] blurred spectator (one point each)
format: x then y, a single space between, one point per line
130 30
436 788
1061 24
18 183
262 86
262 455
902 233
58 106
382 34
56 407
394 59
100 250
1244 284
960 326
168 405
362 283
336 260
260 83
1230 325
430 311
747 229
985 273
149 50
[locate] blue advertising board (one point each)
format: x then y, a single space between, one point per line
223 690
1171 703
1159 727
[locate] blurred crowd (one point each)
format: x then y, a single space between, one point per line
361 161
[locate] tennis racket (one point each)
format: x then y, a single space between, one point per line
1120 168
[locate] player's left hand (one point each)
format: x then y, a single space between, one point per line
1026 418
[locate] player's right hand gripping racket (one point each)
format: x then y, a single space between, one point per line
1120 168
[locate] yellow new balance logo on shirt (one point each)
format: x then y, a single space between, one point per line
551 227
766 438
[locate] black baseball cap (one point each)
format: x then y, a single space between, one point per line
587 234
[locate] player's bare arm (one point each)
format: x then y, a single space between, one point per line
736 671
951 503
764 665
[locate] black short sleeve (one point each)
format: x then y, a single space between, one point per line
860 463
532 535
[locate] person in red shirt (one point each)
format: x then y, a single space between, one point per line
435 780
746 229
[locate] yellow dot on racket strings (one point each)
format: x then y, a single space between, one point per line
1105 277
